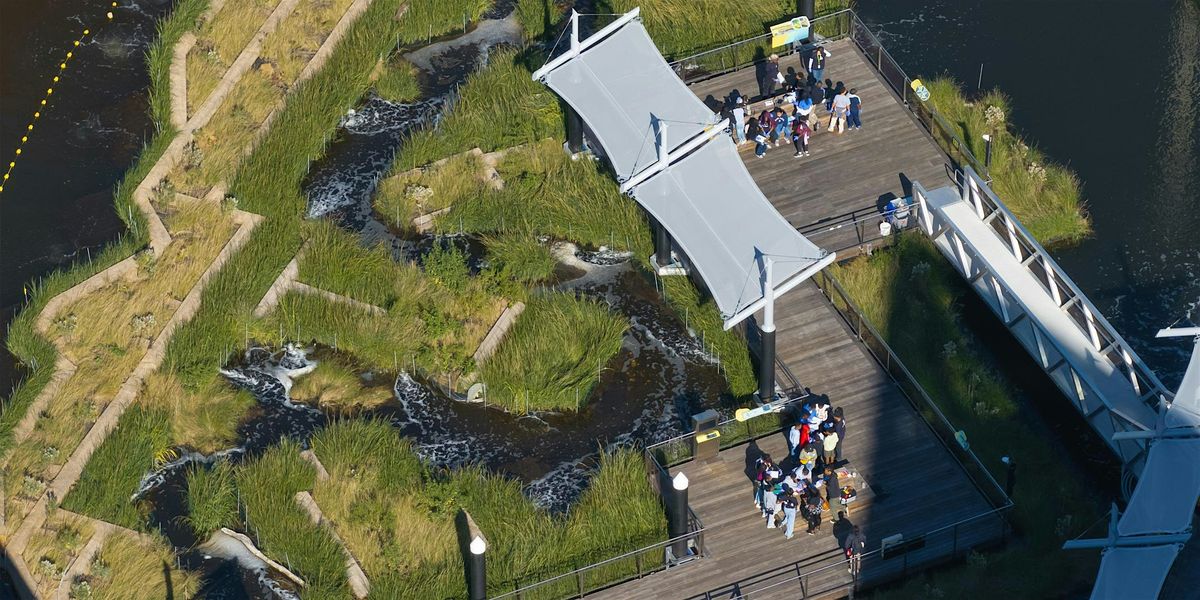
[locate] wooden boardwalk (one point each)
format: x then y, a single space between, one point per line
916 485
860 169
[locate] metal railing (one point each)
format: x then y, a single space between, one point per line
863 221
743 53
883 354
1056 283
608 572
832 27
678 449
959 538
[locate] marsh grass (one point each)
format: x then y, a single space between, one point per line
289 48
554 354
107 333
135 570
53 547
205 420
399 519
520 258
268 486
539 17
336 386
499 106
160 54
268 183
404 196
427 19
398 82
911 295
547 193
1045 196
704 319
211 498
218 43
117 466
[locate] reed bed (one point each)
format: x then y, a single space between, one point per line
128 568
53 547
398 81
399 519
554 354
141 440
35 352
219 42
520 258
705 321
204 420
547 193
268 486
499 106
289 48
1045 196
404 196
268 183
337 387
429 19
211 498
911 295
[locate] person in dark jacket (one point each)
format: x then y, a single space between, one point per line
855 544
816 64
839 425
770 77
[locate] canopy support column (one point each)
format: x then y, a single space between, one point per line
662 246
766 365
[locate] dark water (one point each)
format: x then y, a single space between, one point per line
58 204
1111 89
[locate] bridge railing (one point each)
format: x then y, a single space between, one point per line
676 450
1055 281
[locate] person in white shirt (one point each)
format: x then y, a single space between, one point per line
841 107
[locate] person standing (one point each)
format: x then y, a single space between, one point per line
839 426
800 140
855 120
855 544
739 120
813 514
829 443
760 478
793 440
789 515
770 77
816 64
841 107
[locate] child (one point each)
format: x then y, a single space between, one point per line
841 107
854 121
800 141
782 122
760 144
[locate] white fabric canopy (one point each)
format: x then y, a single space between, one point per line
1166 493
624 91
1137 572
619 86
721 220
1188 396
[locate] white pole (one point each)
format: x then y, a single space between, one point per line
574 33
769 299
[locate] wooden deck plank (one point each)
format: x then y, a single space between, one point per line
915 485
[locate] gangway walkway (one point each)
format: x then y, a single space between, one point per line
1038 303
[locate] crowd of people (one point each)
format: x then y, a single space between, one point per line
792 110
806 483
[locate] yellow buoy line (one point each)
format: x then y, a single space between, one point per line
37 114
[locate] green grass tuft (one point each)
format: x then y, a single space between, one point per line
211 498
552 356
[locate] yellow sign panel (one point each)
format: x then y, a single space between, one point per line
791 32
711 435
